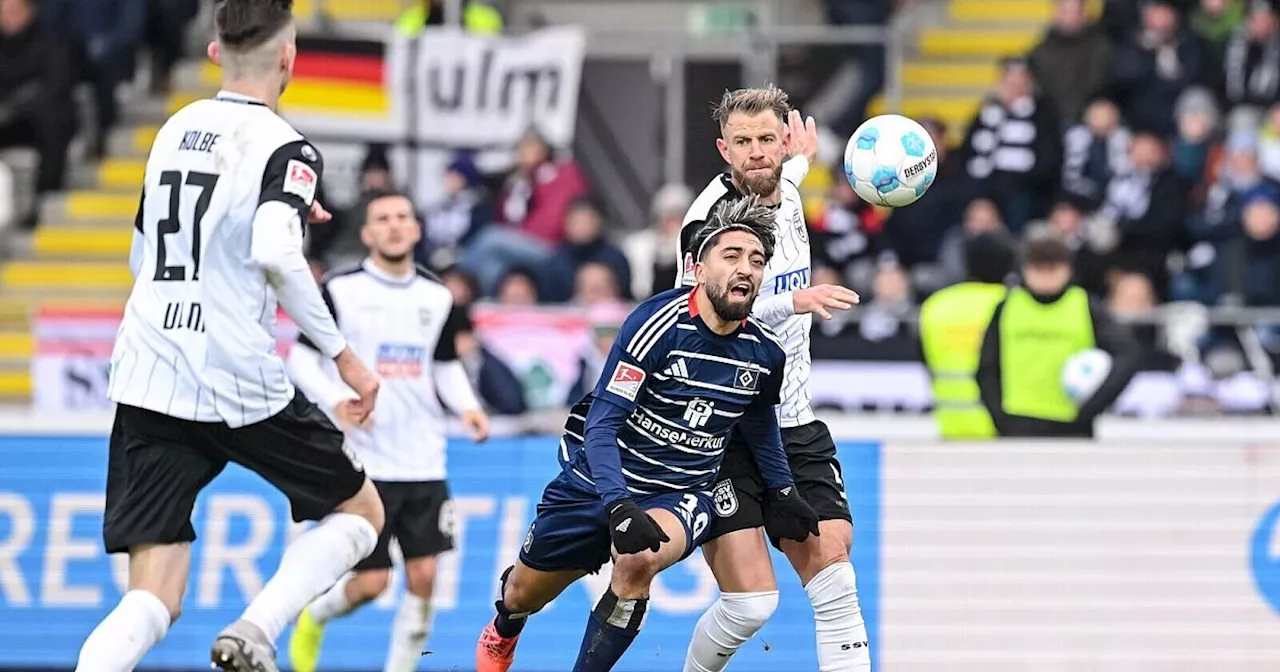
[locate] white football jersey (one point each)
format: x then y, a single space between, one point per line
401 328
196 341
787 271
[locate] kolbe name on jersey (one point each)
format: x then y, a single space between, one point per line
197 338
787 271
683 389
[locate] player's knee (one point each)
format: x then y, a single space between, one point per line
421 577
519 595
368 585
367 504
632 573
749 611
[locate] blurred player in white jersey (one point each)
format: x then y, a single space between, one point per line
229 189
758 131
400 317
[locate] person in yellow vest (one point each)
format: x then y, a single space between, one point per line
1038 326
478 17
952 323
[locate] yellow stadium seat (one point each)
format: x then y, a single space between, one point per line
77 241
57 275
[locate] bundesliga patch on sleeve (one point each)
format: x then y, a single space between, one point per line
626 381
300 180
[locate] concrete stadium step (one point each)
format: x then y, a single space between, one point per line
992 43
83 278
75 242
385 11
955 111
91 205
143 110
16 346
1036 12
132 143
969 75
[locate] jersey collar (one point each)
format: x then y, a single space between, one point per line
693 307
240 99
372 269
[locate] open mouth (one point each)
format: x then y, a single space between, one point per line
740 290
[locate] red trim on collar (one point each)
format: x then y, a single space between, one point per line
693 304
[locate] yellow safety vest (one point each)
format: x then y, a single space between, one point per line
952 323
1036 340
477 18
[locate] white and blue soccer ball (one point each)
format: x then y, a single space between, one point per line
890 161
1084 372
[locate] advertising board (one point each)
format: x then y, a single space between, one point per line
56 583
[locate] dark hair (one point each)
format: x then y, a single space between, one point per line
379 194
988 256
1044 247
246 24
742 214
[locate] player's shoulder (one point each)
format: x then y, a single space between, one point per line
720 189
431 285
769 342
342 276
652 319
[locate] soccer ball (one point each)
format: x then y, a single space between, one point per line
1084 372
890 160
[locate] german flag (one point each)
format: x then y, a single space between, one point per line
331 77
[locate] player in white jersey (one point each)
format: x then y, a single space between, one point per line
229 187
758 130
400 317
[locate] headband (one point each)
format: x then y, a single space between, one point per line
727 227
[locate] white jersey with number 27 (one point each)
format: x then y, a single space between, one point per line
196 341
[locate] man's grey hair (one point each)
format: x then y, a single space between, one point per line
741 214
751 102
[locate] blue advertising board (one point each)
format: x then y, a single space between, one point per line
56 583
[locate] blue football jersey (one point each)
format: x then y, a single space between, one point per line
683 388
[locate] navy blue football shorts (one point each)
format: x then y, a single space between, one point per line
571 530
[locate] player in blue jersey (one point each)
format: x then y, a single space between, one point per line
688 366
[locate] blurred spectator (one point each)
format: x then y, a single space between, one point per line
337 243
584 243
1251 62
1070 222
1214 21
1094 151
500 391
1198 120
1257 279
1213 230
166 32
531 212
478 17
1014 147
606 319
1269 145
594 284
1073 61
36 80
462 285
1153 65
884 317
915 234
651 252
870 57
1146 207
106 35
452 222
980 216
1133 296
518 287
846 238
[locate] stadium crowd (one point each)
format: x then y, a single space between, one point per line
1149 137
